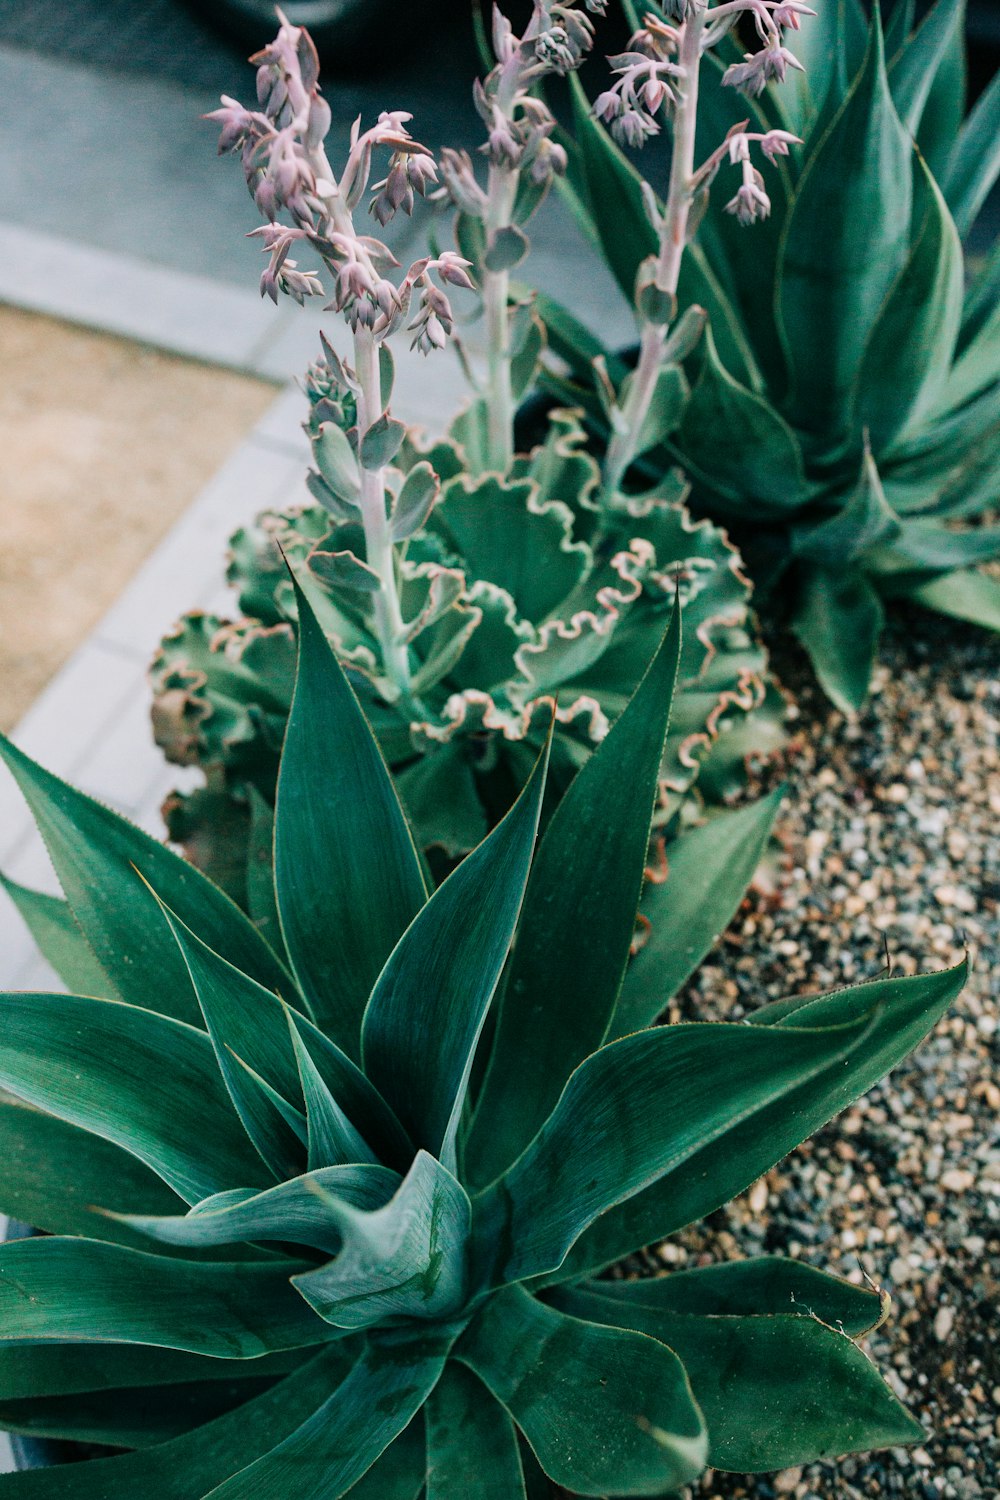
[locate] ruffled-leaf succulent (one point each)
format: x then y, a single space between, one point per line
844 413
512 589
333 1217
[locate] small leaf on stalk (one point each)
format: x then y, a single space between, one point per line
415 501
336 462
382 441
506 249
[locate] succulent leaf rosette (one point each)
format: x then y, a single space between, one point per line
844 409
510 595
334 1217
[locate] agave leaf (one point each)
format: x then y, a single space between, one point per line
831 48
838 618
627 236
472 1445
192 1464
944 111
964 595
85 1291
331 1138
845 241
975 159
604 1410
926 545
866 521
352 1428
913 70
60 941
138 1079
31 1370
646 1105
404 1259
55 1173
129 1418
582 897
774 1390
763 1286
295 1211
709 871
898 27
739 441
96 855
249 1028
572 340
442 976
976 371
254 1064
348 878
907 360
744 259
904 1011
261 905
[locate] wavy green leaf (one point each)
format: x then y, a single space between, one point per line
708 872
838 619
903 1010
582 897
844 243
975 159
86 1291
442 976
295 1211
138 1079
404 1259
776 1390
343 1438
192 1464
471 1442
604 1410
60 941
645 1105
341 844
96 855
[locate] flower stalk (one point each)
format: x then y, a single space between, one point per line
287 169
661 70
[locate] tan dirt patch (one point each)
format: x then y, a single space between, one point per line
103 444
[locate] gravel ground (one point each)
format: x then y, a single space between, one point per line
890 836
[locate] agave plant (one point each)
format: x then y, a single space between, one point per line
511 601
333 1217
844 416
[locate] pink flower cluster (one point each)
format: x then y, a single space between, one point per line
287 171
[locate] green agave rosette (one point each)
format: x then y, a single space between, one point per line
329 1213
844 409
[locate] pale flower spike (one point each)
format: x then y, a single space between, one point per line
519 149
288 172
659 73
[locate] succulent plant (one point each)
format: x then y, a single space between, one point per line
459 581
844 412
512 596
332 1216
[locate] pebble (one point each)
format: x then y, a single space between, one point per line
906 1182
